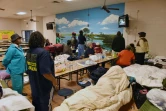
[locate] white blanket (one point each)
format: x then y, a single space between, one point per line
158 98
12 101
146 75
109 94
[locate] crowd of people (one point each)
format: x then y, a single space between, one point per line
39 65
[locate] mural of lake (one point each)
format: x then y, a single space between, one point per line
98 25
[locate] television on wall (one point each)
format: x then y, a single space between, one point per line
49 26
123 21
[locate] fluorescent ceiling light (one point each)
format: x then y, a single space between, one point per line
21 13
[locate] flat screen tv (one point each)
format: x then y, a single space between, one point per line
123 21
49 26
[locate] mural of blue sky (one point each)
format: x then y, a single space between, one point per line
102 25
98 20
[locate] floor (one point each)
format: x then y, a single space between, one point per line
57 100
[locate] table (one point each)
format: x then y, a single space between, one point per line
78 67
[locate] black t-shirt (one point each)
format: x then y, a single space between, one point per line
118 44
39 62
81 39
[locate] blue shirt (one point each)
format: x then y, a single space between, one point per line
14 60
39 62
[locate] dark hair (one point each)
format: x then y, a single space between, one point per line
81 32
69 42
57 34
132 45
36 40
119 33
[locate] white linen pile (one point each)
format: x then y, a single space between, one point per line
158 98
109 94
61 58
146 75
12 101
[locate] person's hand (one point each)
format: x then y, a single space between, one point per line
54 84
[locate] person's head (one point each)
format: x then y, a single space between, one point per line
47 41
73 34
97 44
89 44
69 42
142 34
16 39
81 32
36 40
128 47
132 45
119 33
57 34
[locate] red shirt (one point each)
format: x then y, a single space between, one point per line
125 58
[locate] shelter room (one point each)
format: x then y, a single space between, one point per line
82 55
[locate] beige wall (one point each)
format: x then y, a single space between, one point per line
49 34
151 19
10 24
39 24
27 25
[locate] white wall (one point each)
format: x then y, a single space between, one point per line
10 24
151 19
49 34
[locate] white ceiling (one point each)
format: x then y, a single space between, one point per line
46 7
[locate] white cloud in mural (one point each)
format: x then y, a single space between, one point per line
110 19
61 21
99 23
105 28
64 27
77 22
84 27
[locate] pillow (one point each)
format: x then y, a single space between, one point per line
4 74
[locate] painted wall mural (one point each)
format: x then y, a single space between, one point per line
98 25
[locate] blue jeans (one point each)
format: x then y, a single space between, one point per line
81 50
17 82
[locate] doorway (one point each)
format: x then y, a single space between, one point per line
26 35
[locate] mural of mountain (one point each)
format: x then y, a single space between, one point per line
98 25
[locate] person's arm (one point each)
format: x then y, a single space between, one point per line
8 57
51 78
45 67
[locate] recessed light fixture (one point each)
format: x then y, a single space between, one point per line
68 0
21 13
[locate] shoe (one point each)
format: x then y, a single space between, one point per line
24 94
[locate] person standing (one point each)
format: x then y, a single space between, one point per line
58 39
41 73
15 63
141 48
74 41
118 43
81 44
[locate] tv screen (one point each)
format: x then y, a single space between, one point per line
49 26
123 21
